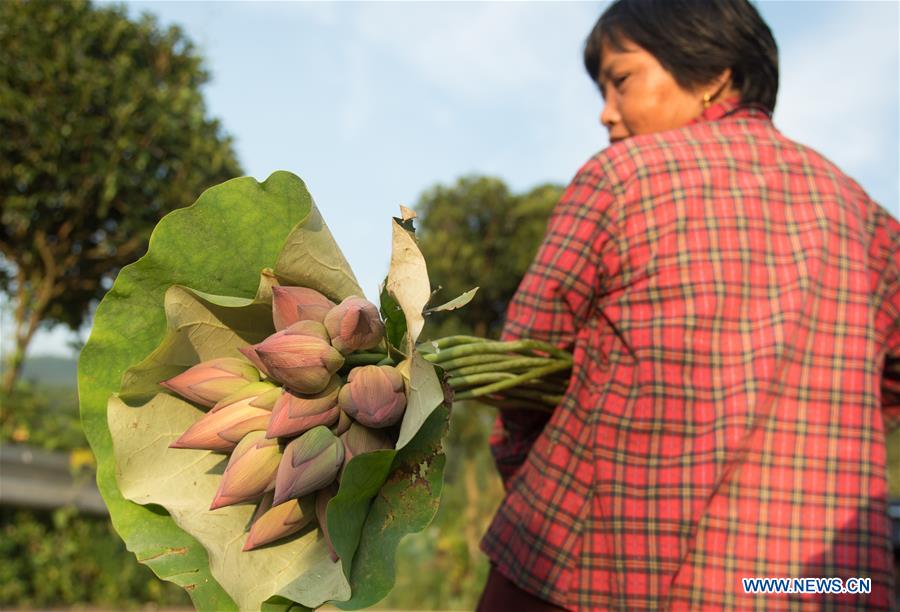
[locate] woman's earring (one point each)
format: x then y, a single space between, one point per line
706 100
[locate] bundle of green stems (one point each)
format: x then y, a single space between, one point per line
522 374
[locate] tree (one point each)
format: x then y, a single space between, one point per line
104 132
476 233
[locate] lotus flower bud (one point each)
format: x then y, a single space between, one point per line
272 523
310 328
354 324
208 382
359 439
230 420
295 413
322 498
300 357
310 462
374 395
292 304
250 471
250 353
343 424
258 394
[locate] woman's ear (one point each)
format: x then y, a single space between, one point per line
718 88
723 81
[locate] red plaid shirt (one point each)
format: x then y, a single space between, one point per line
732 300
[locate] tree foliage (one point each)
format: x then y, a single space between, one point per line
477 233
104 131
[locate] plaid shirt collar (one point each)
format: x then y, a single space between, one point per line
731 107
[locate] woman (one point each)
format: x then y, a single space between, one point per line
732 301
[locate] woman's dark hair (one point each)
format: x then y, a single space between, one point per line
694 40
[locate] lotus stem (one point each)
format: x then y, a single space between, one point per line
445 343
455 365
476 348
457 382
510 364
513 381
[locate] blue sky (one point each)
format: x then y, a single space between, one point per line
372 103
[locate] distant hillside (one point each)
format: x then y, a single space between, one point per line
51 371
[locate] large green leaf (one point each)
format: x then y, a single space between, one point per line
186 251
201 326
218 246
311 258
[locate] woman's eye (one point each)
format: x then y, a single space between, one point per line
617 81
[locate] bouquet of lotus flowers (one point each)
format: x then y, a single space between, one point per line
265 435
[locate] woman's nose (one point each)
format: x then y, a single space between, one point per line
610 114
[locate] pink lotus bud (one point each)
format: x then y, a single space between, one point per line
359 439
250 353
222 428
300 357
295 413
310 462
309 328
250 471
271 523
343 423
322 498
354 324
208 382
292 304
259 395
374 395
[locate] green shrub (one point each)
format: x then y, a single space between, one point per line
60 558
45 416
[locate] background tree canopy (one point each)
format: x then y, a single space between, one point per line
477 233
104 132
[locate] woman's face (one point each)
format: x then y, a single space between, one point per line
640 96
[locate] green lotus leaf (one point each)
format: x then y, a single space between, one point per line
201 270
217 246
201 326
311 258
